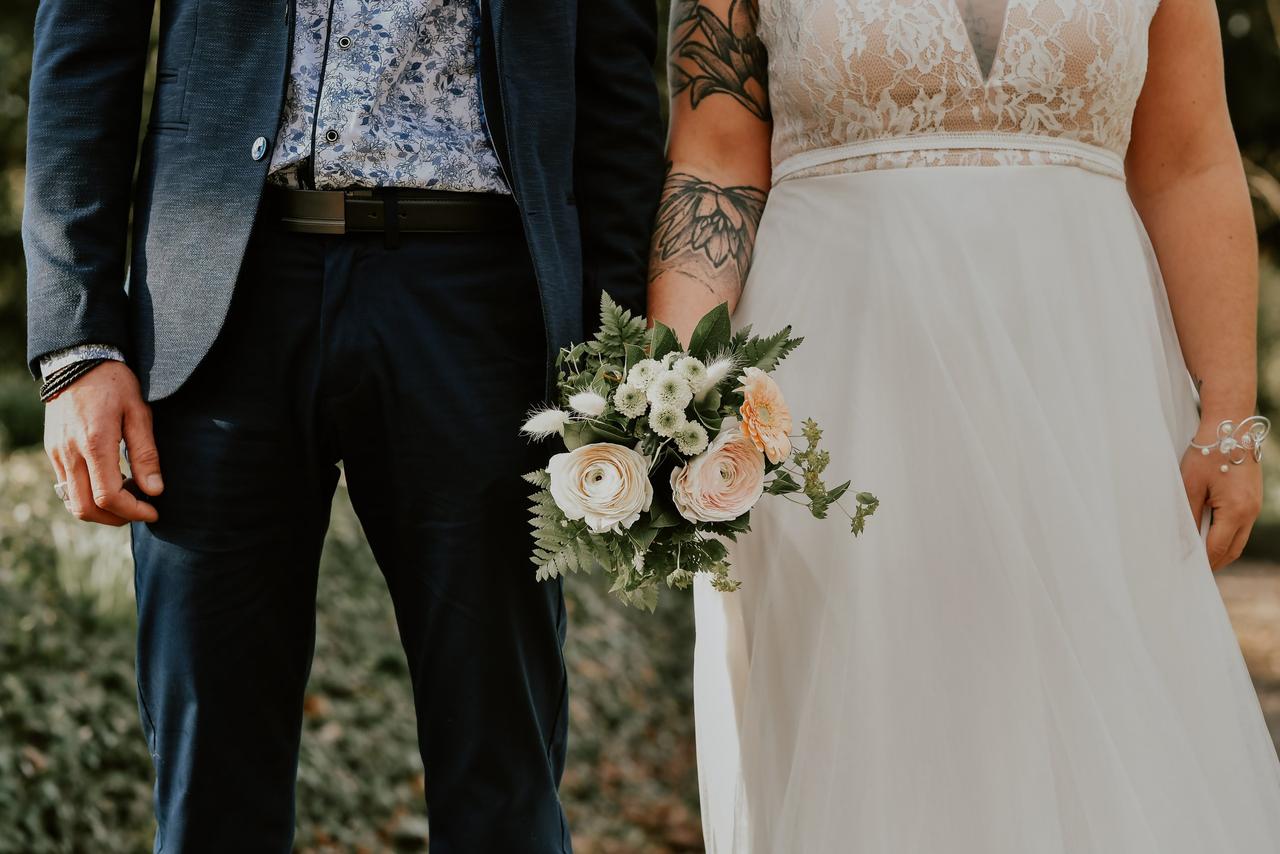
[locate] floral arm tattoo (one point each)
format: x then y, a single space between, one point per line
705 230
704 225
711 55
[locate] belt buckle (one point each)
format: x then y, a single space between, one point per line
316 212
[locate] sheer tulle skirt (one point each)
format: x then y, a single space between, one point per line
1026 651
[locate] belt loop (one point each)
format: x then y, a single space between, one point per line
390 217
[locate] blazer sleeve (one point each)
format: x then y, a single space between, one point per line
82 142
618 148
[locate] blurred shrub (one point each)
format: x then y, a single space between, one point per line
74 770
21 413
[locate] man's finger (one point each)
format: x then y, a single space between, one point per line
140 445
80 496
127 506
107 482
59 470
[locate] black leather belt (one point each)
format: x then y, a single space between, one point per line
389 211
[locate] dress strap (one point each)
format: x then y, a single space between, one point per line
1098 159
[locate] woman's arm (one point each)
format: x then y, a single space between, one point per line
1187 183
718 171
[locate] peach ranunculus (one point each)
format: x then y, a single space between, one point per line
607 485
723 482
765 416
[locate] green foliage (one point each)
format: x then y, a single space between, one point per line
712 335
560 546
767 353
867 505
618 330
664 340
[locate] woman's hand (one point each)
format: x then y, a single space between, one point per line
1233 498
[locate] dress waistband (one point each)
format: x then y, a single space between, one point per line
1098 159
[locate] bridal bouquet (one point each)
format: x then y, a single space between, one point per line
668 449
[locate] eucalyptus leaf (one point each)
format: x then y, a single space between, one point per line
663 515
782 484
635 354
577 434
836 494
712 334
664 341
642 534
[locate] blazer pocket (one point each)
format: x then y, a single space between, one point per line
167 103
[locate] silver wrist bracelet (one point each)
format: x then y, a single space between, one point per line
1238 442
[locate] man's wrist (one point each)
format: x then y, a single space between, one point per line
63 378
56 361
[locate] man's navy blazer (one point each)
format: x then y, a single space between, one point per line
568 91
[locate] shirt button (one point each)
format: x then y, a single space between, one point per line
331 135
259 148
344 42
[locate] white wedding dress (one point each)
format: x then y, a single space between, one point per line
1026 652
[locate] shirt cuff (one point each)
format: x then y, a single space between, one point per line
59 359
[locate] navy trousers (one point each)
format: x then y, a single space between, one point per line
414 366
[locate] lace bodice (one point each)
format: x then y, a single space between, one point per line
874 84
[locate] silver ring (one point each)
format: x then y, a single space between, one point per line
60 490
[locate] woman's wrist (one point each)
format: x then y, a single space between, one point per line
1219 405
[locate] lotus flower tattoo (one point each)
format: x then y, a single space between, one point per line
712 55
700 216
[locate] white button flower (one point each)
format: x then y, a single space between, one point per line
643 373
693 371
691 439
670 389
666 421
630 401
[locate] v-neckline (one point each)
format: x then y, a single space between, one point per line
984 75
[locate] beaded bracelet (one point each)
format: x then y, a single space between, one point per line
60 380
1238 442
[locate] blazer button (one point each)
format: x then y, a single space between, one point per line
259 149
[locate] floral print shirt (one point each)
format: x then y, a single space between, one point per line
389 93
386 93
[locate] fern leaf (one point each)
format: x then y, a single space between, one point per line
767 353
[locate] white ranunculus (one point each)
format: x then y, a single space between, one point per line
723 482
605 485
589 403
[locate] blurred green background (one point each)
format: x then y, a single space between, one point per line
74 771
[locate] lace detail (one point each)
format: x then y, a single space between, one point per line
847 73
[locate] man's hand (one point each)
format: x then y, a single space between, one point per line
82 432
1233 497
